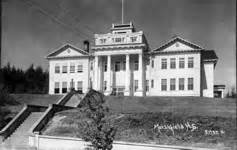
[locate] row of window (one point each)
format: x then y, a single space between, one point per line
65 89
173 63
164 86
118 40
72 68
173 87
135 86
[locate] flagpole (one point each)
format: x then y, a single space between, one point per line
122 11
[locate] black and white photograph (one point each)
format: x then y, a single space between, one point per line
118 75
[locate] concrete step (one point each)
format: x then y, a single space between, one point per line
21 136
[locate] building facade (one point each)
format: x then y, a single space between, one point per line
121 63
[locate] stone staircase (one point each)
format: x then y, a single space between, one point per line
74 100
15 136
20 138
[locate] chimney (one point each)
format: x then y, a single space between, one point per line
86 46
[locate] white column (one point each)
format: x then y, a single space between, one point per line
100 81
140 81
109 83
96 87
127 80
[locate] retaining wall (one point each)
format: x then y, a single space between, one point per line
43 142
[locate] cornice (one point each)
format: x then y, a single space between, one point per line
117 46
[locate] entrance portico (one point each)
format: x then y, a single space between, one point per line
119 74
119 61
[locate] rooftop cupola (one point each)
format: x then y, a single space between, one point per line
122 28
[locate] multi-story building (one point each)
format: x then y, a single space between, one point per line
121 62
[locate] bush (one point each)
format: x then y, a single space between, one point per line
5 98
96 129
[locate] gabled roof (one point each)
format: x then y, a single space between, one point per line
64 47
178 39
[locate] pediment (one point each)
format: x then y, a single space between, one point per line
178 44
67 51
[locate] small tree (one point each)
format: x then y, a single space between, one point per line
97 129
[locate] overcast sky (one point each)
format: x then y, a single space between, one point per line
33 28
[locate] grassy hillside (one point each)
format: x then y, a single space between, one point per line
177 105
200 122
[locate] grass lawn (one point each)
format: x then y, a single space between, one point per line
177 105
185 121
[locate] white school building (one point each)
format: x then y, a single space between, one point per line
121 63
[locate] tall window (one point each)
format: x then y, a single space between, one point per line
91 65
105 85
164 63
172 84
181 83
117 66
152 83
133 39
118 40
190 62
56 87
72 68
64 87
64 68
124 65
105 67
80 68
152 63
172 63
57 69
181 63
72 85
147 85
136 65
79 86
163 84
135 85
190 83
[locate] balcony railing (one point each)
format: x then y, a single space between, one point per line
113 39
